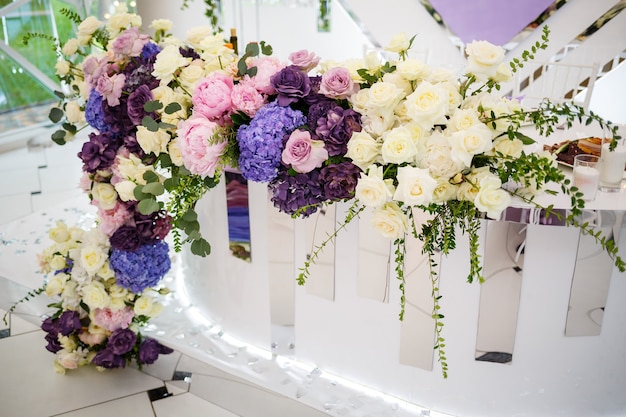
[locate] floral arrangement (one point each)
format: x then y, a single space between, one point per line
390 136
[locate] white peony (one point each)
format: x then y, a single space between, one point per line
437 157
415 186
371 189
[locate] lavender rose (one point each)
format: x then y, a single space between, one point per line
121 341
150 349
291 84
304 60
303 153
107 359
336 83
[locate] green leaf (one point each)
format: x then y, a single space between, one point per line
150 176
525 139
200 247
266 49
55 115
152 106
163 125
172 108
154 188
190 216
139 194
242 68
148 206
150 124
252 49
58 137
69 127
59 94
171 183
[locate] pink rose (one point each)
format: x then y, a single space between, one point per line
336 83
211 97
111 88
266 67
303 153
304 59
200 154
129 43
113 319
246 98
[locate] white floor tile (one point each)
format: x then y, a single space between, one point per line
188 405
31 388
177 387
15 206
137 405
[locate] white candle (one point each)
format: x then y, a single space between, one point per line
586 180
612 165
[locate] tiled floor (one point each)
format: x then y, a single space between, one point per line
39 177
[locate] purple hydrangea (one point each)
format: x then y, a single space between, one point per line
339 180
291 84
94 114
121 341
99 152
261 142
336 129
150 51
290 193
150 349
142 268
107 359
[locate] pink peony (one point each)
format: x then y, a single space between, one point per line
336 83
111 220
200 155
266 67
303 153
211 97
246 98
113 319
129 43
304 59
111 88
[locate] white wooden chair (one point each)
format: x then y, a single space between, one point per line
557 81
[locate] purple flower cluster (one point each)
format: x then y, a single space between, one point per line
292 193
94 112
142 268
336 128
149 351
291 84
66 324
99 153
261 142
144 229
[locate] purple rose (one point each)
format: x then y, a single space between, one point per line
126 238
337 83
68 322
121 341
291 84
136 101
107 359
150 349
99 153
339 180
336 129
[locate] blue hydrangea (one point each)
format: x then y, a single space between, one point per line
141 269
94 114
261 142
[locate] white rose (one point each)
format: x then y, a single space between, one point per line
190 75
469 142
503 73
157 308
152 142
132 168
121 21
371 189
383 96
508 147
428 104
399 43
196 35
492 201
71 298
62 67
390 221
376 124
60 233
415 186
466 191
126 190
104 193
483 58
95 295
444 191
372 61
70 47
454 96
413 69
462 119
68 360
161 24
174 118
58 262
359 100
168 61
441 75
106 272
54 286
398 146
399 81
482 178
73 112
92 258
175 155
87 27
363 149
143 305
436 157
